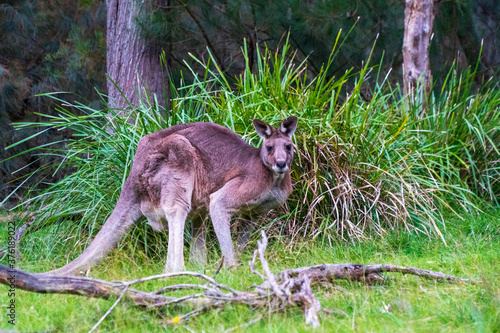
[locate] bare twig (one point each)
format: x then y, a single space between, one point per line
168 275
270 279
253 321
178 300
75 285
109 310
219 268
186 316
179 287
252 265
311 304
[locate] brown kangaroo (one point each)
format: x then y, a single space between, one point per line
188 170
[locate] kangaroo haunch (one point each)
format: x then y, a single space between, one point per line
188 170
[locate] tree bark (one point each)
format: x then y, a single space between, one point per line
419 18
132 63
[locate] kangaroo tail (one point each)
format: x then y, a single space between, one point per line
124 215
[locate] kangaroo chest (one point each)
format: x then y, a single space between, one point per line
269 199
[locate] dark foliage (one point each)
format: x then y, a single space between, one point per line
221 26
59 45
45 46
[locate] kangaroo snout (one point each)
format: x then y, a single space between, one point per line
281 166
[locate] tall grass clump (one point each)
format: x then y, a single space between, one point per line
366 162
462 133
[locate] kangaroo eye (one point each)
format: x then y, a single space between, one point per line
269 149
288 147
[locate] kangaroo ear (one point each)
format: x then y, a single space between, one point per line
263 129
288 126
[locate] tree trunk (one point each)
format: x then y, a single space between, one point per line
132 63
419 18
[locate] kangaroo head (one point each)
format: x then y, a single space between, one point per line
277 148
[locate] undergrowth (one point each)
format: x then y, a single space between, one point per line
369 162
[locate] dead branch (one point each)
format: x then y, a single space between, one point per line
364 273
219 268
179 287
74 285
269 278
289 288
210 280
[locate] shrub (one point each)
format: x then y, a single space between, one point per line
368 162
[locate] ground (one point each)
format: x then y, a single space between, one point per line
404 304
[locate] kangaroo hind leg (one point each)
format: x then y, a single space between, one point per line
198 251
176 204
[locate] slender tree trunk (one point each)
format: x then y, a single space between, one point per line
132 63
419 18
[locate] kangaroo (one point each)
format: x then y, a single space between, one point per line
188 171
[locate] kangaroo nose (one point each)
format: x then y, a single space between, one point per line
281 165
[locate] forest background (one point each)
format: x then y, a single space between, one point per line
60 46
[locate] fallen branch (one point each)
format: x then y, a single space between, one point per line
74 285
290 288
364 273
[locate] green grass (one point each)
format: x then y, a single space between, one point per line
416 305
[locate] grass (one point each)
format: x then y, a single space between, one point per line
406 303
